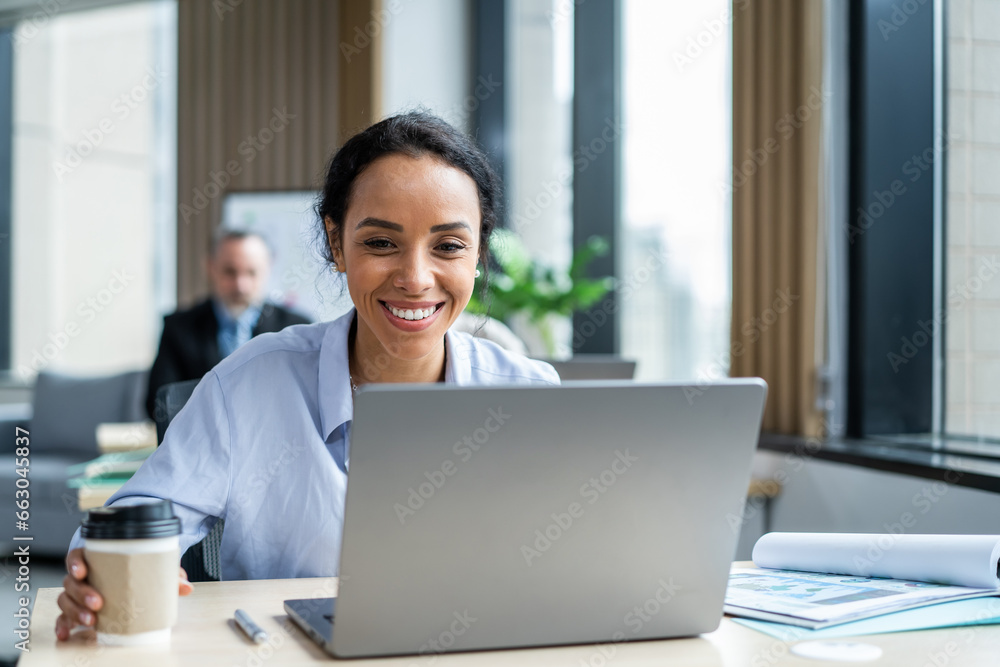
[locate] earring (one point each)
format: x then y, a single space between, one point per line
477 273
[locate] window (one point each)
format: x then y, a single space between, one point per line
675 239
540 164
972 214
924 234
93 192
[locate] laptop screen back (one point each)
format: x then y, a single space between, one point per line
485 517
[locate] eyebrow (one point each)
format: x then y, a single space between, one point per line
449 226
395 226
375 222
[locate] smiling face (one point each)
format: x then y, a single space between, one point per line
408 244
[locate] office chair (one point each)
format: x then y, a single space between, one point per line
201 561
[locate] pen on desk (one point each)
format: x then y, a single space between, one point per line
252 630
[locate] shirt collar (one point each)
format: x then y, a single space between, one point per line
335 404
336 407
457 368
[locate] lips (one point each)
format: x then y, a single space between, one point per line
412 316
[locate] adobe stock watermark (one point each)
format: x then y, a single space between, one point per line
785 127
913 169
7 570
484 89
712 31
957 297
258 654
621 291
794 461
88 310
777 649
248 149
128 613
223 7
584 155
900 14
635 620
464 450
363 37
562 10
121 108
592 490
132 436
444 640
29 27
258 483
751 330
963 636
923 502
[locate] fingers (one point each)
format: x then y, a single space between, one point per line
76 565
75 584
72 616
63 628
75 612
79 601
82 594
185 587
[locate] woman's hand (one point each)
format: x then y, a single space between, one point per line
80 602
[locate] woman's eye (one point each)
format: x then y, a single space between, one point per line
379 244
451 247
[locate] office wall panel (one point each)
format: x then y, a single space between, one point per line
267 89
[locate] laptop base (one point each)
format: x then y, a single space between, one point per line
315 617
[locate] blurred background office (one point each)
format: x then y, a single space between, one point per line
804 191
138 126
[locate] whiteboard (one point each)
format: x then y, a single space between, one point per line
300 278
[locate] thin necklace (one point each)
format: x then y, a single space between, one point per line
354 387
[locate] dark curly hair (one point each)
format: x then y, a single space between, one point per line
415 134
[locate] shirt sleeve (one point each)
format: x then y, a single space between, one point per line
192 468
548 373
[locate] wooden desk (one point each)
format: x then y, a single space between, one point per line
207 635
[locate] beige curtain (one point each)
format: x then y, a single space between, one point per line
266 90
778 105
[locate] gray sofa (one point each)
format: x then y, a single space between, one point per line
65 413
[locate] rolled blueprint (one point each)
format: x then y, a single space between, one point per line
959 560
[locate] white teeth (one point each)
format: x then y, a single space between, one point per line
412 314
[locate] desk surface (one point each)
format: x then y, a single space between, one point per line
207 635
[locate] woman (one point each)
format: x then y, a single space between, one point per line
406 211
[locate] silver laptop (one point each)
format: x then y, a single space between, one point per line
503 517
594 367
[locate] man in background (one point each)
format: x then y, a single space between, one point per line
196 339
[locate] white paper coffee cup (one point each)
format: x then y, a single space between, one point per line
132 555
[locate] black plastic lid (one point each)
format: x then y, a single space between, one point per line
132 522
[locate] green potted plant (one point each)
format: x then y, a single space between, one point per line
520 287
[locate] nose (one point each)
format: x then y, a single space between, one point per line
244 284
414 274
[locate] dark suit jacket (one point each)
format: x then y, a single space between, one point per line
189 347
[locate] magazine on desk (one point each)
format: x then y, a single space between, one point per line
816 580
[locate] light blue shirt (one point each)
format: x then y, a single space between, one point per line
263 444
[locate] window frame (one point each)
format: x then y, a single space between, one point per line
894 261
6 204
597 188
